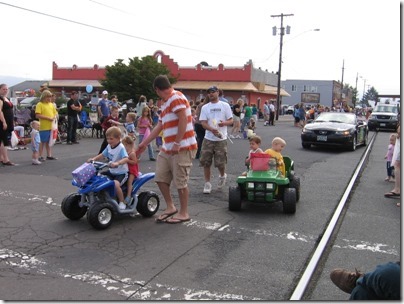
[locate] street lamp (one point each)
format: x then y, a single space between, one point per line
282 32
311 30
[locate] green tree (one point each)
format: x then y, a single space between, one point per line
370 94
131 80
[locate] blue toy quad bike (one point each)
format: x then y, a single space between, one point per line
267 185
97 198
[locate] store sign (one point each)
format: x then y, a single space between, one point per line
311 97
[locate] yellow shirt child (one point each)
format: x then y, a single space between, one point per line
278 144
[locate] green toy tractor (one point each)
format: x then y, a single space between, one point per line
264 183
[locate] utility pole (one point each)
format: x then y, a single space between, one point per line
282 32
356 89
342 80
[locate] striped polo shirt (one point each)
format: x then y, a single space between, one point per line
176 102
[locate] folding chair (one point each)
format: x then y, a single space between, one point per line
96 126
85 125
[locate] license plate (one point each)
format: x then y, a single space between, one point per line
321 138
382 124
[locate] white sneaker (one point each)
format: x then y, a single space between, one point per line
36 162
208 188
122 206
231 136
222 181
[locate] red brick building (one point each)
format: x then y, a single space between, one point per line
245 82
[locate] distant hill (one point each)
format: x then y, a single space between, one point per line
12 80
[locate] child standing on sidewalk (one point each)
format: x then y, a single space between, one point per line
35 140
388 157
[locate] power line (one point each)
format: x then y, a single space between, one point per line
116 32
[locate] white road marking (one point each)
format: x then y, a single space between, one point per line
379 248
292 235
126 287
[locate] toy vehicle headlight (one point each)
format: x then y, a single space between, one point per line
250 185
270 186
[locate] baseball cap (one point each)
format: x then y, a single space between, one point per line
104 92
213 89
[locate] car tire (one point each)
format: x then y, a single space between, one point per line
71 208
289 201
295 184
100 215
306 146
148 203
353 145
366 139
234 198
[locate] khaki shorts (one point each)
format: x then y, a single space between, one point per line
216 150
175 167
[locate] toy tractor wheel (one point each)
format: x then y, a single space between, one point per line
234 198
289 200
148 203
70 207
295 183
100 215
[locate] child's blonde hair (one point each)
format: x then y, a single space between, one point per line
33 123
45 94
132 116
127 140
393 136
256 139
114 132
278 140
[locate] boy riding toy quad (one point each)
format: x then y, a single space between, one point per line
96 196
264 183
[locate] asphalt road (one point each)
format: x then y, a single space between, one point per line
256 254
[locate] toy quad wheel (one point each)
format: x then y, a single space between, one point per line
234 198
148 203
295 183
100 215
71 208
289 200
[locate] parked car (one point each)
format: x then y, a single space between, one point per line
384 116
335 129
290 110
29 102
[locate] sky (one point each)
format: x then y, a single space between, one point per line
357 40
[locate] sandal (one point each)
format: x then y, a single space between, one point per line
9 163
51 158
392 194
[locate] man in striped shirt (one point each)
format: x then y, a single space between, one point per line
179 147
